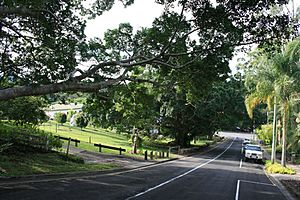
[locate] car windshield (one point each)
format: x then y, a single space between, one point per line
253 148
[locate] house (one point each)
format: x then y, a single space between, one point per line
64 108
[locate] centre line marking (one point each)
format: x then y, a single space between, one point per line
181 175
241 162
237 190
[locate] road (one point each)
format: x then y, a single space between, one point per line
218 173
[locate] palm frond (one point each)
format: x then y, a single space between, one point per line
251 102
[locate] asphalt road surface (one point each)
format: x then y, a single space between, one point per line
215 174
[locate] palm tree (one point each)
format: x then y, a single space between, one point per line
277 78
286 63
263 76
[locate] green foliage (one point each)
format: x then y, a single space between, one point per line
25 138
4 147
128 106
70 114
60 117
81 120
265 133
139 141
24 110
278 169
51 45
275 76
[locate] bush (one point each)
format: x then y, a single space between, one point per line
60 117
279 149
24 111
81 120
278 169
265 133
26 138
70 114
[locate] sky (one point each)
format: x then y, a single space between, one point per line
140 14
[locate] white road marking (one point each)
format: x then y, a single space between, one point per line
252 182
100 175
181 175
241 162
237 190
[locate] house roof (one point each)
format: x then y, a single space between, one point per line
61 107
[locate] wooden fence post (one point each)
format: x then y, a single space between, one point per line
99 147
167 154
76 143
47 143
120 151
146 155
69 141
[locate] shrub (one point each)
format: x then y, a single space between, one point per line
24 111
278 169
81 120
60 117
70 114
26 138
265 133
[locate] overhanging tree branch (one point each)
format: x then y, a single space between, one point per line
66 86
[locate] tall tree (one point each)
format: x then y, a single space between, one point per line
43 43
278 77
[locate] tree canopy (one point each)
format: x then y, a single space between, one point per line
43 44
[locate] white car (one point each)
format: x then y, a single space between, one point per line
246 141
254 152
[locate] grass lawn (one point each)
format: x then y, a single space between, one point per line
108 137
43 163
99 135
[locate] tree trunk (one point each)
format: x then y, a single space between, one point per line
273 155
134 140
182 139
284 133
279 132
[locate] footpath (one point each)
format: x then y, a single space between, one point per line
288 184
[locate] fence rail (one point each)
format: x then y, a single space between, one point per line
109 147
71 139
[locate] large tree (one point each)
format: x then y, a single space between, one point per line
277 77
43 43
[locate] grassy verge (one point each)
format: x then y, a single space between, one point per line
276 168
45 163
111 138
